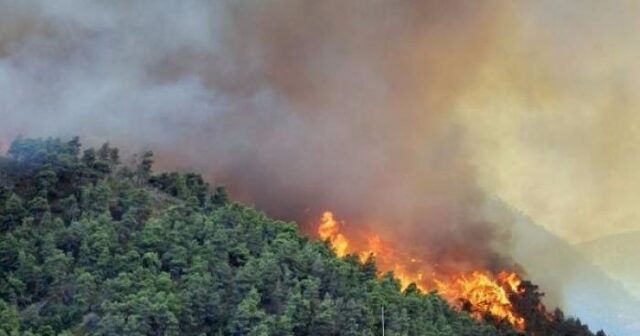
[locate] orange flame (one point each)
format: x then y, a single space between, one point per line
329 229
480 292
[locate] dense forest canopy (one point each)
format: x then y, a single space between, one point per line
93 247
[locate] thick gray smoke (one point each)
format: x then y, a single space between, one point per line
297 106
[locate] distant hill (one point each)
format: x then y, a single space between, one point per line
570 279
618 256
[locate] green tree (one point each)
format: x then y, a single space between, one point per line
12 212
88 247
220 197
248 316
324 319
143 170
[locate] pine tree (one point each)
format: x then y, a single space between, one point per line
324 319
248 315
91 252
12 212
143 170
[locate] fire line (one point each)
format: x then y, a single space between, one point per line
479 292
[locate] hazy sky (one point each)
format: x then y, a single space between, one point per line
552 115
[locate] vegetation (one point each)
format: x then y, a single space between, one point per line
91 247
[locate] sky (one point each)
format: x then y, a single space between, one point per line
554 117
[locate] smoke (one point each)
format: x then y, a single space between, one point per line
297 106
555 120
400 117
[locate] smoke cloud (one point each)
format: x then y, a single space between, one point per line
401 117
297 106
555 120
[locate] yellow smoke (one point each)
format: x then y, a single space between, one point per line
552 121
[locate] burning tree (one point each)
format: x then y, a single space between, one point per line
501 298
89 250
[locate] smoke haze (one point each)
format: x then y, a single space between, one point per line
401 117
297 106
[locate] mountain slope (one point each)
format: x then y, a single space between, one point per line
570 280
617 255
90 247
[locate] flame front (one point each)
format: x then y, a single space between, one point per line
479 292
329 230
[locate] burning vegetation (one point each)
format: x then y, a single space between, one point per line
93 244
479 292
501 297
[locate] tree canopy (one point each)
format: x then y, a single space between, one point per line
92 247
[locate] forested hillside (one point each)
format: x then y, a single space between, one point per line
92 247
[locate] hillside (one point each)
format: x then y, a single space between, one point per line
616 255
91 247
571 280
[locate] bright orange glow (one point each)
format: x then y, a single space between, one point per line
479 292
483 293
329 229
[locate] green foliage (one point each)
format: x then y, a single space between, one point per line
12 212
90 247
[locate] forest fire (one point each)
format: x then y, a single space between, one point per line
480 292
329 230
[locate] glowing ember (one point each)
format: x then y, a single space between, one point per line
480 292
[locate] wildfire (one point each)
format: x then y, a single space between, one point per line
330 229
479 292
